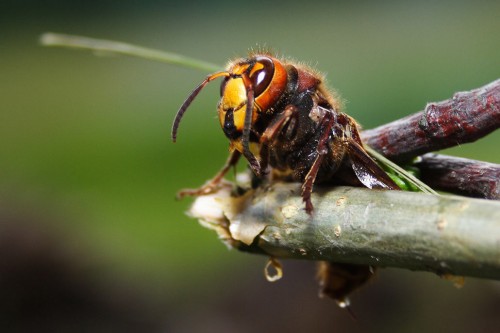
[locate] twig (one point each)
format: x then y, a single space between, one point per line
464 118
442 234
461 176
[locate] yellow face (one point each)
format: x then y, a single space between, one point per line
233 100
232 106
260 76
265 79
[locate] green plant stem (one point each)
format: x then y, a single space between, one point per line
443 234
114 47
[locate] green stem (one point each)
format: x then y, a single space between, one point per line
114 47
444 234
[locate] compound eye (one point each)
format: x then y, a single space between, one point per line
261 74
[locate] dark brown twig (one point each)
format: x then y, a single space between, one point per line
464 118
462 176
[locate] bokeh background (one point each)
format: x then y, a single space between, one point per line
91 238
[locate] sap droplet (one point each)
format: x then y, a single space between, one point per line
273 271
343 303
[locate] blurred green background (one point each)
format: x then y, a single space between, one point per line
91 238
